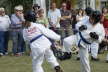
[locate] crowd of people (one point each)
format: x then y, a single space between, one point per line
76 28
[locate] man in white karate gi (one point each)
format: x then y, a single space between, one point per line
37 36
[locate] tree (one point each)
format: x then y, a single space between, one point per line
10 4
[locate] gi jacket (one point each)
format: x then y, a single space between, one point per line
37 29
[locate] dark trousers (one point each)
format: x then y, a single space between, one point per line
2 38
6 40
18 42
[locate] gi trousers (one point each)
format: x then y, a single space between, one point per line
38 56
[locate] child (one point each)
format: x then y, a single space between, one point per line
37 35
88 32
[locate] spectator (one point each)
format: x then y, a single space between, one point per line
105 20
36 7
80 16
54 16
65 21
4 27
17 20
41 19
73 20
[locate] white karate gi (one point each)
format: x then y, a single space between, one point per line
40 48
94 46
83 49
73 39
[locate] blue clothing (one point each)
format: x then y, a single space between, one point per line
18 42
14 22
6 40
2 41
16 33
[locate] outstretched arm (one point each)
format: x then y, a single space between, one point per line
49 33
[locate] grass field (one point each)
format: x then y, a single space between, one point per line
23 64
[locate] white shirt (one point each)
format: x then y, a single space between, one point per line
53 16
37 29
4 23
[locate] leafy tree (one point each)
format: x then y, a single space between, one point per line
10 4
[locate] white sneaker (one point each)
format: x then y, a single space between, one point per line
1 54
107 57
6 53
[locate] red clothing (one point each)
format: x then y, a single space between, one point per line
106 31
105 22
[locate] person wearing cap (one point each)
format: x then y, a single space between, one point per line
36 7
4 28
16 30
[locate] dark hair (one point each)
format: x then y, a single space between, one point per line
82 11
104 8
36 5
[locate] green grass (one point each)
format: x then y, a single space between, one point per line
24 64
